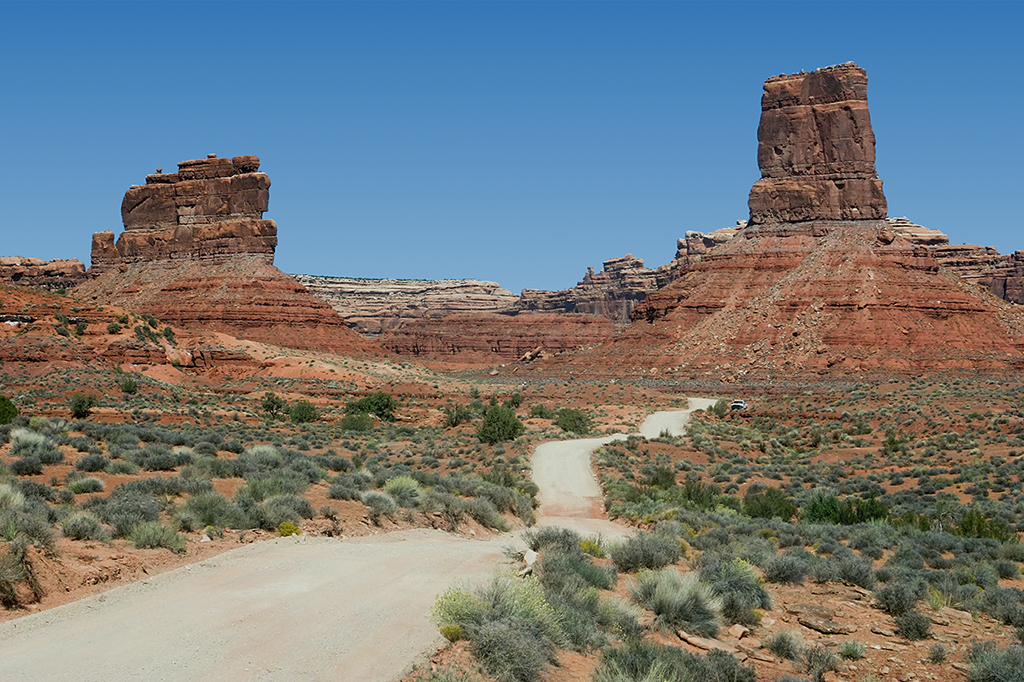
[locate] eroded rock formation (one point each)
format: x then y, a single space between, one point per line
196 252
35 272
818 280
211 209
816 149
374 306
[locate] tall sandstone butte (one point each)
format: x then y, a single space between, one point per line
817 280
816 149
197 252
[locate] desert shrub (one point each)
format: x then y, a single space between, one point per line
113 328
288 528
786 568
720 408
278 509
8 410
11 497
991 664
272 404
451 507
900 596
159 457
125 509
512 629
379 504
87 484
405 490
358 421
92 463
541 411
26 443
26 466
771 503
854 570
84 526
153 534
303 412
937 653
122 466
486 514
210 509
975 524
552 538
785 644
81 405
379 404
640 660
16 568
645 550
456 414
204 449
741 589
261 486
819 660
852 650
573 421
913 625
499 424
209 467
679 602
128 385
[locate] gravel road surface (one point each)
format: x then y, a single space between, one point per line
293 608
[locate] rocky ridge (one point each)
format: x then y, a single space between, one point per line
35 272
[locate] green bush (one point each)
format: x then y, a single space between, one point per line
272 404
720 408
92 463
818 660
771 503
8 410
113 328
128 385
288 528
852 650
786 568
153 534
84 526
679 602
379 404
991 664
541 411
499 424
900 596
81 405
358 421
486 514
645 550
456 414
573 421
26 466
210 509
937 653
303 412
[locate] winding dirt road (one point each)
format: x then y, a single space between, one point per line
293 608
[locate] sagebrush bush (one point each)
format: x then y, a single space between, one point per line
405 490
741 589
26 466
786 568
84 526
852 650
679 602
92 463
900 596
499 424
153 534
785 644
991 664
87 484
645 550
818 660
379 504
913 625
210 509
485 513
639 660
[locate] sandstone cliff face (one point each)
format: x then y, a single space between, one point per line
611 293
374 306
196 252
816 149
491 338
210 209
35 272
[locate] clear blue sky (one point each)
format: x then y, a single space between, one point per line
515 142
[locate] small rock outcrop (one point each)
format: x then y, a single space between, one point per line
35 272
211 209
816 149
612 293
375 306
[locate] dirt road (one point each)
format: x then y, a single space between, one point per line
291 608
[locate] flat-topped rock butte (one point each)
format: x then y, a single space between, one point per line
292 608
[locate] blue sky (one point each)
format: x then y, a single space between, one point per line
514 142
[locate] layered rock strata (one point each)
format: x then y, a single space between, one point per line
816 149
374 306
210 209
196 252
490 338
35 272
611 293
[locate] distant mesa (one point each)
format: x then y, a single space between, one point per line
35 272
